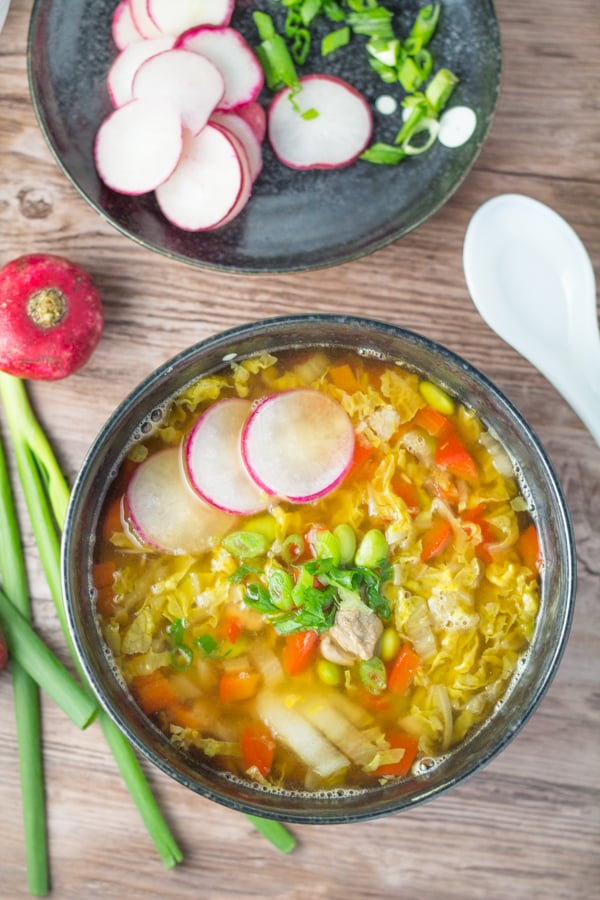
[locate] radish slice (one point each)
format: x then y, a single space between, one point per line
188 81
124 31
255 116
123 70
213 459
246 136
176 16
230 53
138 146
332 139
142 20
298 444
211 180
165 514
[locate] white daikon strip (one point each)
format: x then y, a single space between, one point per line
358 747
293 730
267 663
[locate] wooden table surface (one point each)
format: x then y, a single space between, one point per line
528 825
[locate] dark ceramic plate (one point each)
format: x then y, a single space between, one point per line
294 220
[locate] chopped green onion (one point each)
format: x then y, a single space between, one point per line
300 46
309 10
383 154
409 75
326 545
292 548
311 113
372 675
361 5
280 588
385 51
208 643
417 112
387 74
333 11
423 27
334 40
38 660
439 89
426 125
246 544
374 22
273 54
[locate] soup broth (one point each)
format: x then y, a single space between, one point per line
337 641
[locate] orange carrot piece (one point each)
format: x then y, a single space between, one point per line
452 455
399 740
435 539
407 491
363 452
105 602
153 692
112 521
258 748
299 651
528 545
236 686
188 715
432 421
103 574
344 378
403 670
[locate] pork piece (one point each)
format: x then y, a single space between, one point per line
355 633
334 653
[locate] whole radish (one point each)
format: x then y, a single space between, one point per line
50 317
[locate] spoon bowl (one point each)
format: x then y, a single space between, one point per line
532 280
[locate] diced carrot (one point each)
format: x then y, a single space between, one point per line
231 628
363 452
189 715
103 574
528 545
432 421
344 378
435 539
258 748
299 651
105 602
488 535
407 491
153 692
236 686
380 703
403 670
399 740
452 455
446 491
112 521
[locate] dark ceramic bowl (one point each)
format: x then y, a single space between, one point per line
426 358
294 220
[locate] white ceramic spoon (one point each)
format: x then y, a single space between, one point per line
531 279
4 4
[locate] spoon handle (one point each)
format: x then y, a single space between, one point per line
582 394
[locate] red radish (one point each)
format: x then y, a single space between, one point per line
244 133
124 31
298 444
191 84
138 146
333 138
210 182
165 514
50 317
123 70
255 116
213 459
230 53
176 16
142 19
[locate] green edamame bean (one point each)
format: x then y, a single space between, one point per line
372 549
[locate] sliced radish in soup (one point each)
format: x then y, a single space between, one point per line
124 31
328 125
228 50
138 146
214 462
191 84
298 444
211 182
176 16
165 513
120 76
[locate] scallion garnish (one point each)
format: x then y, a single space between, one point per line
334 40
439 89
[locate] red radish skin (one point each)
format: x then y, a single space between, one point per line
211 181
228 50
122 72
50 317
124 31
246 136
164 512
255 116
142 19
138 146
189 83
333 139
214 463
298 444
175 16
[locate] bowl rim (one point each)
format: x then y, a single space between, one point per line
222 341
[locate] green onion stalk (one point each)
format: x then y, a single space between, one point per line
47 497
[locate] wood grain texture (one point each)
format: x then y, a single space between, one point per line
527 826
